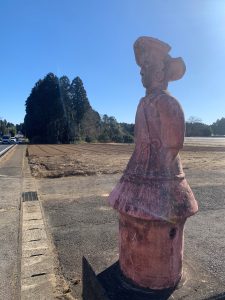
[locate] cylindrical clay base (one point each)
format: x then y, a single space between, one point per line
151 252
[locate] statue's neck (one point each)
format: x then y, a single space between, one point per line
156 87
154 91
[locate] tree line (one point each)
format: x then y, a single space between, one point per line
194 127
58 111
8 128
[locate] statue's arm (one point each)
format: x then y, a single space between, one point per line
141 133
172 124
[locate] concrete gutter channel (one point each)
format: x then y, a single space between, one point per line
40 278
37 274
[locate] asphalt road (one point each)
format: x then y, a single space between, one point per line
3 147
82 223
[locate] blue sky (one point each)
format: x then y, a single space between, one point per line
94 39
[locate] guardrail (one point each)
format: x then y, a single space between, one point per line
6 150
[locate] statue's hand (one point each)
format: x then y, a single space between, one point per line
156 143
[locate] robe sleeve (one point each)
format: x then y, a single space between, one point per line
172 124
141 131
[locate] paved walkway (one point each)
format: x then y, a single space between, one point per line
28 265
39 279
10 193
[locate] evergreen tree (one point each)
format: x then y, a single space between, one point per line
43 108
8 128
60 112
113 131
218 127
80 103
68 113
197 129
90 125
20 128
3 127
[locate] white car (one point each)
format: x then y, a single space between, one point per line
12 140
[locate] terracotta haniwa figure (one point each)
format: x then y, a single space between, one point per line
153 197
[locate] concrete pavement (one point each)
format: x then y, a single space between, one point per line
10 193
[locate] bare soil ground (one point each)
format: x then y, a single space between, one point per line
52 161
85 159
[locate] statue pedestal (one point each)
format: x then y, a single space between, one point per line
151 252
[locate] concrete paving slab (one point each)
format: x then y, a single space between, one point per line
32 216
39 275
31 288
35 252
34 245
37 268
30 223
32 260
32 235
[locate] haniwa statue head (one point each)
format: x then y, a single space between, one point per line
157 66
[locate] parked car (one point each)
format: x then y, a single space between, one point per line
6 139
12 140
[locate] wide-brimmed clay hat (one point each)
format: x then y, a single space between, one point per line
146 47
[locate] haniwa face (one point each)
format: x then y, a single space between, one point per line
153 74
146 75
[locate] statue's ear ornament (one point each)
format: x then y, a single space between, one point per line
175 69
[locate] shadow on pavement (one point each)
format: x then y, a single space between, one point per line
112 285
216 297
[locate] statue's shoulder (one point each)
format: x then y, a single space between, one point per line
166 98
141 103
166 103
142 100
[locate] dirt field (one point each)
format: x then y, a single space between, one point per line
84 159
52 161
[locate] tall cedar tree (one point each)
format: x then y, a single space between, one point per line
80 102
68 113
44 111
